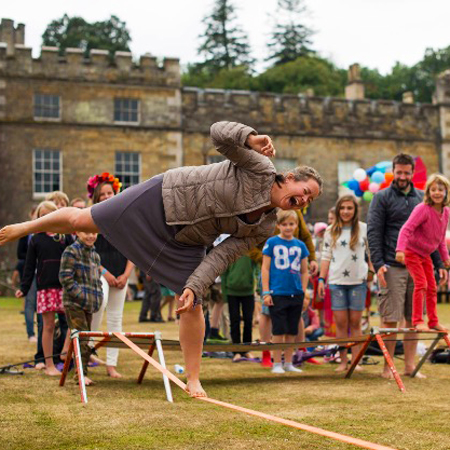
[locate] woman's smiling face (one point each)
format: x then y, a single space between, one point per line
298 194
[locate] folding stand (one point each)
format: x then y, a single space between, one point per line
139 340
378 334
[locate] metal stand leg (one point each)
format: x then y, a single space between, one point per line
163 364
390 363
145 365
79 366
66 364
425 357
359 356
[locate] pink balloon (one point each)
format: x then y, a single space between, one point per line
374 187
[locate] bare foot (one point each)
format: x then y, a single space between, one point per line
421 327
237 357
39 366
112 372
418 375
194 389
88 381
342 367
358 368
439 327
387 374
11 233
95 359
52 372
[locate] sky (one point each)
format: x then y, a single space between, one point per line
373 33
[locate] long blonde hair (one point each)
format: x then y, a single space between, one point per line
438 179
338 224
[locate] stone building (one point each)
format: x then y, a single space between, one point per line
64 118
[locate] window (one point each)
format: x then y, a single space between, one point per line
128 168
126 110
345 173
46 171
46 106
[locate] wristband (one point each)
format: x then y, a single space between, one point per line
321 279
103 272
267 293
372 272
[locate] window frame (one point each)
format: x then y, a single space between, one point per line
47 119
129 122
120 175
41 195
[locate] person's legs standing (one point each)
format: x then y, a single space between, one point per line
30 310
340 307
114 315
145 305
410 339
431 295
415 266
235 318
47 342
248 307
98 316
357 298
155 302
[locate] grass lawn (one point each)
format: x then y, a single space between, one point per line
35 413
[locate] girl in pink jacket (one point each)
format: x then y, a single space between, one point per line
422 234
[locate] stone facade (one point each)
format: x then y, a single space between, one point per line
173 124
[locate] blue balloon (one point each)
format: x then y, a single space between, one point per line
383 165
353 184
371 170
377 177
359 192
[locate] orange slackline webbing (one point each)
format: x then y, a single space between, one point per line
340 437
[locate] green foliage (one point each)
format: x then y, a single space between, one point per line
306 72
66 32
289 39
225 45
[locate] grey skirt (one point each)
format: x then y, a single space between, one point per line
134 222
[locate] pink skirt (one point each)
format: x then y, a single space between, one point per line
49 300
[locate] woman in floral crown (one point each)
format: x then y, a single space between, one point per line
165 224
115 271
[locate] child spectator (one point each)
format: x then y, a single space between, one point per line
78 202
284 281
44 253
422 234
59 198
168 297
344 254
82 288
238 289
313 331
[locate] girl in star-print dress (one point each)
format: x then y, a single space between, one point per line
346 261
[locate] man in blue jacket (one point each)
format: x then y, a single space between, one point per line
389 210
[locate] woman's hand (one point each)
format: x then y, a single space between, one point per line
267 300
321 289
313 268
111 279
186 301
261 144
121 281
19 293
400 257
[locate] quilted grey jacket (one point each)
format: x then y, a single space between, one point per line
207 200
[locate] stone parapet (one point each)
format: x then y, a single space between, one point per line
98 67
311 116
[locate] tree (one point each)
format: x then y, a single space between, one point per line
289 39
224 43
110 34
306 72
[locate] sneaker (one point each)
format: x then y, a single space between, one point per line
278 368
291 368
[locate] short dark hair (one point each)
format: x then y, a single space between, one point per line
403 159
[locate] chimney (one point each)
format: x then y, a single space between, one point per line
10 35
355 87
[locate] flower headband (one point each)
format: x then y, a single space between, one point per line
94 181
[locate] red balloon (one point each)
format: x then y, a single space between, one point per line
383 185
364 185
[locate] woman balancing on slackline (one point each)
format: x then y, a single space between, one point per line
164 224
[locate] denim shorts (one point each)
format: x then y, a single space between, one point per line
344 297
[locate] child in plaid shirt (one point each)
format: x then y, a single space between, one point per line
82 289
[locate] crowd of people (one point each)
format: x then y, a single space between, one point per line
294 279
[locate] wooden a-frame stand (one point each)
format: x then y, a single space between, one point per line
142 340
379 334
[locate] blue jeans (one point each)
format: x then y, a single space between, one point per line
345 297
30 308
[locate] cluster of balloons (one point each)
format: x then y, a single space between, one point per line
366 183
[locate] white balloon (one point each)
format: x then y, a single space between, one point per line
359 174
